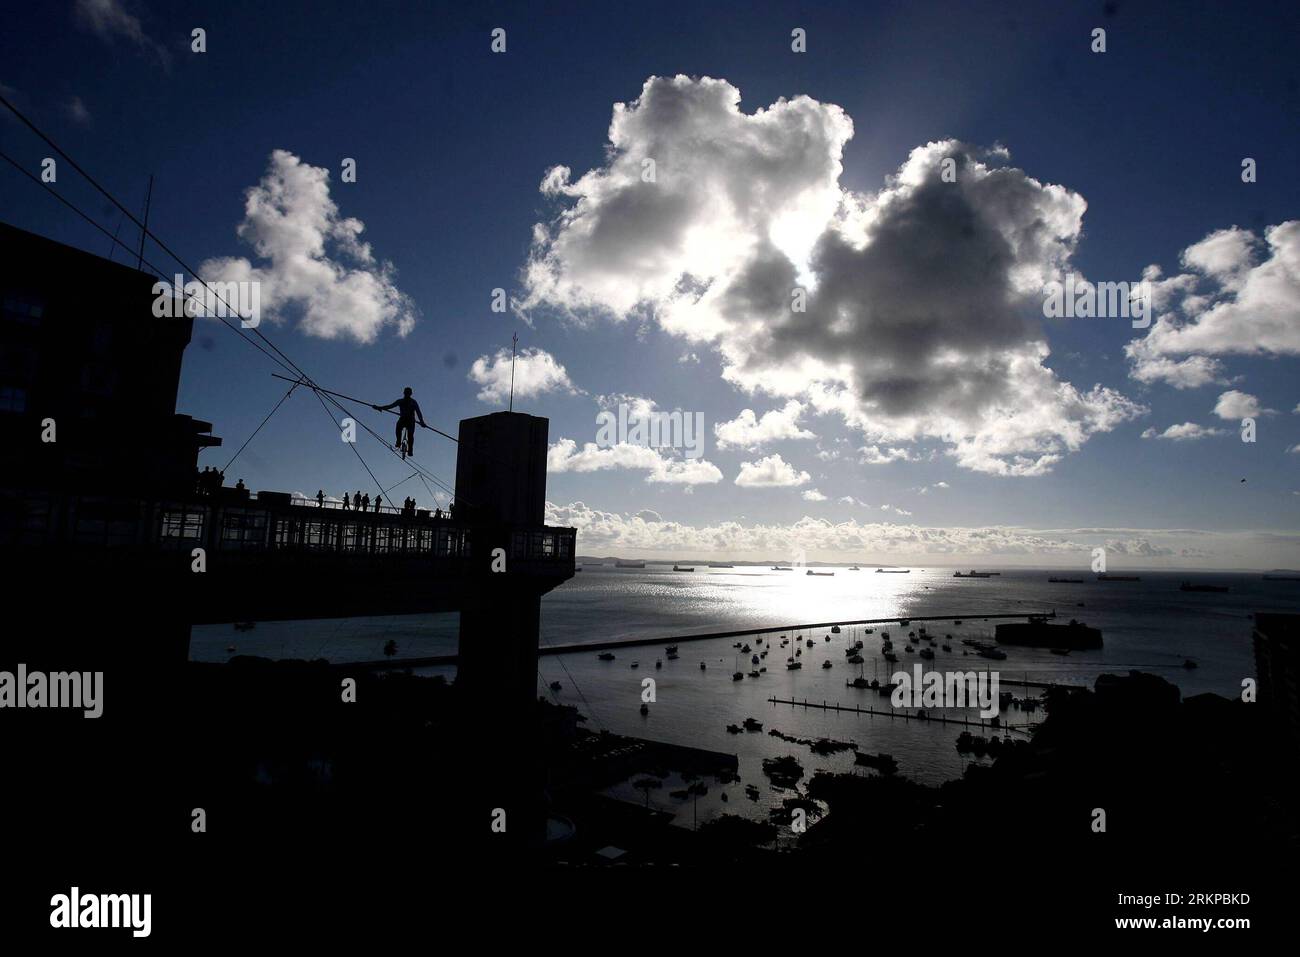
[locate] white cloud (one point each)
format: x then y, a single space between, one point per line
316 261
748 432
770 472
601 532
1185 432
1236 405
812 495
1242 298
924 489
874 455
535 372
1190 373
1137 547
919 320
565 456
109 20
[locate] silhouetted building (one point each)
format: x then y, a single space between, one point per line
501 468
80 345
1275 639
501 492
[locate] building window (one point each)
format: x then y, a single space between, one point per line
27 310
13 399
243 529
182 524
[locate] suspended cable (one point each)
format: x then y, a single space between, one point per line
144 230
559 659
351 398
283 359
259 428
352 445
402 482
45 187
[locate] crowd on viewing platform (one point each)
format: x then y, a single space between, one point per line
210 482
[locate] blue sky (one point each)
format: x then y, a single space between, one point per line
1097 163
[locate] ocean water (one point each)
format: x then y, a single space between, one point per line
1149 625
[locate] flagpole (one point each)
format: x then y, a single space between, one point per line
514 342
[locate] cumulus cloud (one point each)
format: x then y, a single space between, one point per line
535 372
1185 432
747 431
315 261
660 468
874 455
770 472
919 320
812 495
110 20
1239 405
1190 373
1241 296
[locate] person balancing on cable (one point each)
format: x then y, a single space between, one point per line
408 411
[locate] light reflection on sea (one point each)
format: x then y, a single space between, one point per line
1149 625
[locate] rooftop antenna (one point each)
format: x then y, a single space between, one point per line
139 261
514 342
